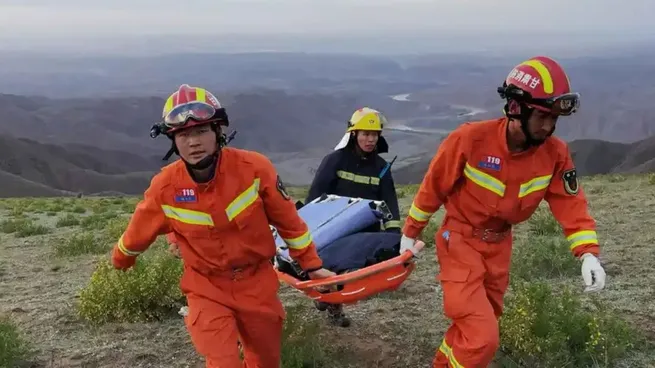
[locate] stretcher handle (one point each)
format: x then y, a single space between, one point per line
334 197
407 256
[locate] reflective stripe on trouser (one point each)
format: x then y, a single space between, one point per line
472 297
224 310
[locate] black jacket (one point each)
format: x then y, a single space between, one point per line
346 173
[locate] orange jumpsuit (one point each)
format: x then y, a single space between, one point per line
222 229
485 189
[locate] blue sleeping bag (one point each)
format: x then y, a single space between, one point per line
336 223
360 250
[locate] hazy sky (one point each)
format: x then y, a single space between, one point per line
49 18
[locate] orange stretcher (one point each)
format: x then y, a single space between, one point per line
332 218
352 287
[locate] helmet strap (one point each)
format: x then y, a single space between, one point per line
523 116
171 151
207 162
203 164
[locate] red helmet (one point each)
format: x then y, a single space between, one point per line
191 106
541 83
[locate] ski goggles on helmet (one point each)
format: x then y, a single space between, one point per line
565 104
181 114
179 117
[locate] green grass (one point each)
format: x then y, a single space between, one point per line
23 227
14 348
81 243
548 322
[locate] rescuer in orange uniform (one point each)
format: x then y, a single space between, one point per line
219 201
490 175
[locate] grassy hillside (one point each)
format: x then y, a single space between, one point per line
30 168
61 305
600 157
16 186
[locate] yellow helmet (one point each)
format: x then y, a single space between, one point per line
367 119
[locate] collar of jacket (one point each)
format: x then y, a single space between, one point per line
362 158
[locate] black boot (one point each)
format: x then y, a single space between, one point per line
336 315
322 306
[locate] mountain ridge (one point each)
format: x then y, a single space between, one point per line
97 112
31 168
590 156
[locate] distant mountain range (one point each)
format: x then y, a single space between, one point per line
29 168
82 125
591 157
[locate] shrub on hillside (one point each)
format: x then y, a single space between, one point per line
23 227
301 343
16 206
11 225
98 221
129 204
118 201
68 220
616 178
148 291
543 257
115 228
56 205
100 205
31 229
651 179
13 347
35 205
17 212
409 191
542 222
77 208
81 243
542 329
428 234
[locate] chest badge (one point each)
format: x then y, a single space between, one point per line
185 196
490 162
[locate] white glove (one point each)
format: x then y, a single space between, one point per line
592 273
407 244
